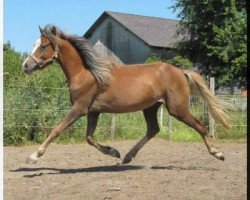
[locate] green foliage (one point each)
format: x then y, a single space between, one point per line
27 97
12 60
177 61
217 36
180 61
154 58
232 35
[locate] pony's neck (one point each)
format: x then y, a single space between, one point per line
70 61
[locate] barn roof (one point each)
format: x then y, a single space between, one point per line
156 32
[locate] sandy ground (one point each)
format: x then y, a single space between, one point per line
162 170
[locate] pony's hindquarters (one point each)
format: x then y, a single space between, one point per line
180 82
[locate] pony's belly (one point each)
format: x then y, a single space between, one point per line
121 107
131 95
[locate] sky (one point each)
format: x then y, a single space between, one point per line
21 18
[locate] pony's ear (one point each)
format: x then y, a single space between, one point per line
53 30
41 30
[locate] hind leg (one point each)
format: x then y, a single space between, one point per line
150 115
196 124
183 114
92 123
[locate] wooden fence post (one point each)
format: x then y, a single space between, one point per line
112 129
203 111
169 126
161 116
211 119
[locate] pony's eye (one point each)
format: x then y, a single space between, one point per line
42 48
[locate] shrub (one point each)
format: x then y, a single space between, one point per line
177 61
180 61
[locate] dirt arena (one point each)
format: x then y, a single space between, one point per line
161 170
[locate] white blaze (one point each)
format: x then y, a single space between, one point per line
37 44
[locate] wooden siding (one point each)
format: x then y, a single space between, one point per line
111 38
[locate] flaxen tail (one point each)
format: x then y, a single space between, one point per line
216 106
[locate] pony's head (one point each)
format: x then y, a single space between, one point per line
45 51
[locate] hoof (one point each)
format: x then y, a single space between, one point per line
111 151
217 154
31 160
220 156
114 153
127 159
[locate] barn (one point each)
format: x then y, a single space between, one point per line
132 38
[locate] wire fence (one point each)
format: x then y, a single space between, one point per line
31 111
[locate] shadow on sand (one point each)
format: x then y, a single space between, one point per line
111 168
171 167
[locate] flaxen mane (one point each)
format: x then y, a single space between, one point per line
99 66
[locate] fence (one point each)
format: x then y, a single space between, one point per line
31 111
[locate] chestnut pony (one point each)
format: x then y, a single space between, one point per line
98 84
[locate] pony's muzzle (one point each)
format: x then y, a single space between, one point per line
29 67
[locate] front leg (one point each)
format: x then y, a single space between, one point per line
75 113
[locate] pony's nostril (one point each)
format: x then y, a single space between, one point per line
25 66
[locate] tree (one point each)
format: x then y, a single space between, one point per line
215 38
12 63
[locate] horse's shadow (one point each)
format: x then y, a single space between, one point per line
110 168
179 168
